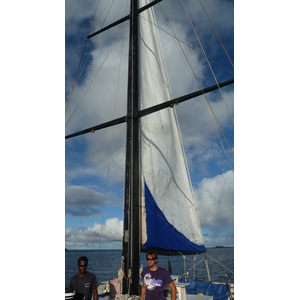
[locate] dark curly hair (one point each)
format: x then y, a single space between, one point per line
82 258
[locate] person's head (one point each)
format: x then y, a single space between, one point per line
82 264
151 257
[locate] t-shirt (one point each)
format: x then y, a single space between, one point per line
83 285
156 282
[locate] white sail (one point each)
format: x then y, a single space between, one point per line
163 167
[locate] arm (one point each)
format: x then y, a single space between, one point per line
143 291
173 290
95 294
71 288
94 284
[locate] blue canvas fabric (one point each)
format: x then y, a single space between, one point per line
163 235
218 291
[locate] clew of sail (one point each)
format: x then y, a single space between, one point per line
170 221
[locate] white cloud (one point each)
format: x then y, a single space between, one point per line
83 237
85 201
215 200
82 195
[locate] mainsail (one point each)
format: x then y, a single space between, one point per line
170 221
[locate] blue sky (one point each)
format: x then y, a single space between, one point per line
94 187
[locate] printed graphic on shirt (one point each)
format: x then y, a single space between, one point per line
87 285
151 283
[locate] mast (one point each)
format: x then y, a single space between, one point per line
131 239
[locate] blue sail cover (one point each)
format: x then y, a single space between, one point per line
161 234
218 290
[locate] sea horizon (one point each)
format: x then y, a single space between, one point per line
119 249
106 262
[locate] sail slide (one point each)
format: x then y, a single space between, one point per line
170 220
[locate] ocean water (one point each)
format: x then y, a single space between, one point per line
105 264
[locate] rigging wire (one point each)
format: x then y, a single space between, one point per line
115 108
76 81
166 83
193 267
215 117
220 264
106 14
92 48
186 44
206 59
206 97
177 122
207 102
178 44
116 99
166 79
187 59
94 77
111 139
217 34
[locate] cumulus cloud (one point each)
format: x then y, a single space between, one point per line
84 201
215 200
83 237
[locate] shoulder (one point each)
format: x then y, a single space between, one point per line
146 269
94 278
74 277
90 274
165 274
162 270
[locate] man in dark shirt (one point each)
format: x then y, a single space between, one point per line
84 283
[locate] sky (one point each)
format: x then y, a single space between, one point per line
94 203
32 152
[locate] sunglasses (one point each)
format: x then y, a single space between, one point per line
82 266
150 258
